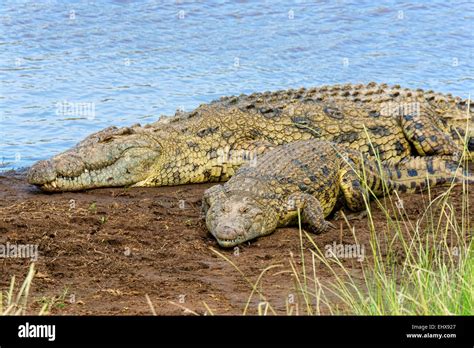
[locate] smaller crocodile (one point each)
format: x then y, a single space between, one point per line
313 177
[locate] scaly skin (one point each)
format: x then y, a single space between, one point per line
211 142
312 176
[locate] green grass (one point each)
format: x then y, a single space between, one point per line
16 303
55 302
433 276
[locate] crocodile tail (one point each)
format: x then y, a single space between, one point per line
418 174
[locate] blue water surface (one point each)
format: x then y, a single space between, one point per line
123 62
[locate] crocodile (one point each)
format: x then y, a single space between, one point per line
209 143
314 178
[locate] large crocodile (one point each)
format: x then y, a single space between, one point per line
312 176
209 143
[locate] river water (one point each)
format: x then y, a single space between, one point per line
71 68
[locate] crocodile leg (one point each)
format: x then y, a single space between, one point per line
312 214
352 190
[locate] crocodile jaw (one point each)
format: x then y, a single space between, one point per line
232 233
127 170
113 157
120 173
222 236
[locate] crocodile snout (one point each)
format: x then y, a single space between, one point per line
42 173
228 236
229 233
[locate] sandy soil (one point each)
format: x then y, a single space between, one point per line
108 248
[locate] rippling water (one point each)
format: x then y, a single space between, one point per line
72 68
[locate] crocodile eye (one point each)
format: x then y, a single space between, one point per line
243 210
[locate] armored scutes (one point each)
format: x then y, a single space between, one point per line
312 176
211 142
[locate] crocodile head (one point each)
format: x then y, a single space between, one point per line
111 157
234 219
